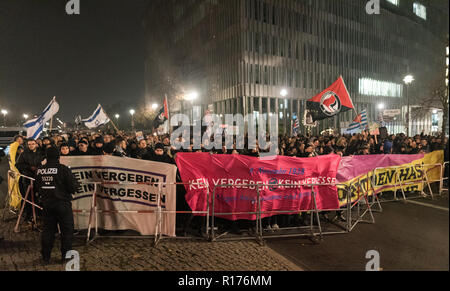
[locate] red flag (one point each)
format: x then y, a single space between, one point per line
166 108
163 114
330 102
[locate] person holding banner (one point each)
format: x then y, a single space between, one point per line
56 184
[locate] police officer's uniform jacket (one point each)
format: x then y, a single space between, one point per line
55 182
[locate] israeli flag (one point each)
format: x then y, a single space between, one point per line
360 122
35 127
97 119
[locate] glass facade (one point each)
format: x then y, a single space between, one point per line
243 53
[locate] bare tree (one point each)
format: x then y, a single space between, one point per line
437 98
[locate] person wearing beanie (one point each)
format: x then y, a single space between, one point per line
56 184
159 155
47 142
72 146
98 146
83 148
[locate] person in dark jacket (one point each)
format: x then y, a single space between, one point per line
97 149
72 146
159 155
141 150
27 164
83 149
120 148
132 149
46 143
56 184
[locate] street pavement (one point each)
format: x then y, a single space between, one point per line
408 237
21 252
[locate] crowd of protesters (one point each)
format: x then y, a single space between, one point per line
159 148
153 147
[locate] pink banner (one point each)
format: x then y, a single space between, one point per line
354 166
242 173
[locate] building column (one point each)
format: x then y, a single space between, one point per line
277 112
268 114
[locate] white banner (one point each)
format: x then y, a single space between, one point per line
392 112
121 191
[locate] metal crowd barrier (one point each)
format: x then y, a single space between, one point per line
400 184
29 192
94 211
314 230
362 199
441 185
361 205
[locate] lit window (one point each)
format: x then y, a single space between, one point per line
420 10
380 88
395 2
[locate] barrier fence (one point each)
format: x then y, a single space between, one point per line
355 209
29 193
400 184
444 172
351 219
94 211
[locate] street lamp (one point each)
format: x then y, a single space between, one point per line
154 106
25 116
284 93
4 112
408 80
191 96
132 112
117 116
380 106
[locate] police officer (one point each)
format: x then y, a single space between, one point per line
56 184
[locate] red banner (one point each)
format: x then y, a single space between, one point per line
233 180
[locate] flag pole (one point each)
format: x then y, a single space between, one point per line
51 125
168 113
51 119
112 122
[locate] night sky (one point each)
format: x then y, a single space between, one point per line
83 60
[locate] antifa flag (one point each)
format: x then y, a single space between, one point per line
330 102
163 114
